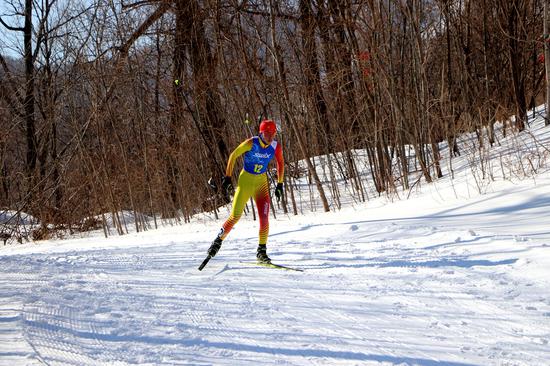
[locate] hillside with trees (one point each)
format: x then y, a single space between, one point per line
113 106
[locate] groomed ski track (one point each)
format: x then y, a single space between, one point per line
391 292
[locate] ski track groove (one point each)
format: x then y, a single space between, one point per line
355 320
384 318
53 332
56 332
328 314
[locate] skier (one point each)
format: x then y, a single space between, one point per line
258 152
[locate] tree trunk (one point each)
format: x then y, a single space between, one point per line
281 73
547 58
207 114
514 54
29 93
311 74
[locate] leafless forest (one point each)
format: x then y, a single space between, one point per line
111 105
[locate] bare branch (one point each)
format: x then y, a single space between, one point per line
163 7
9 27
138 4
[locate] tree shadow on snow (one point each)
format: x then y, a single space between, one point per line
243 347
462 263
444 262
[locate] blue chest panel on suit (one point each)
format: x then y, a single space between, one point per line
257 159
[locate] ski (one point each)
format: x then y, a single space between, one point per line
273 265
262 264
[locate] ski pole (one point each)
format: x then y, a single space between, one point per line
204 262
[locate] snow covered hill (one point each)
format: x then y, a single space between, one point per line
452 276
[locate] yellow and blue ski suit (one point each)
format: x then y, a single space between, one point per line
253 181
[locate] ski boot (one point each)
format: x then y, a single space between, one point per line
216 245
261 254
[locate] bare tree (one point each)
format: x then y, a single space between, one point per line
546 39
119 108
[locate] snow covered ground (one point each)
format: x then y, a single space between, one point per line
447 277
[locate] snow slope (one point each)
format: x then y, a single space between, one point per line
447 277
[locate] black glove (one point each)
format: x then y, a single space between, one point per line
227 185
279 191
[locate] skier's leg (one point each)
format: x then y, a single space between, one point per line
242 194
261 197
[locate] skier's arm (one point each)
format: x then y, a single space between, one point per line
280 162
241 149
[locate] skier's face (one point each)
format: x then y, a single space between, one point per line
268 136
